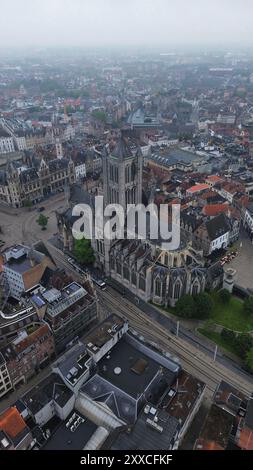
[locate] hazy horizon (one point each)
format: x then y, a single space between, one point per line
106 23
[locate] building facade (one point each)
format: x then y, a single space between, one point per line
6 142
23 268
34 181
5 380
28 353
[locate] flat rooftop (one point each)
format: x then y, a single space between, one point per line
73 363
218 426
129 368
66 439
180 403
21 265
104 332
66 298
228 396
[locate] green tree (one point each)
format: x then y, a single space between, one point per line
203 305
83 252
249 360
185 307
248 305
229 336
224 296
42 221
244 343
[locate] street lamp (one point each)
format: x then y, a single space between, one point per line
215 352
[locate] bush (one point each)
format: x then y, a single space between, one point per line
229 336
185 306
241 343
249 360
244 343
248 305
224 296
203 305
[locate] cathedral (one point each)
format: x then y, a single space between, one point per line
142 266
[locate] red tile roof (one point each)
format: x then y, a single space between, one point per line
214 178
198 187
209 195
215 209
11 422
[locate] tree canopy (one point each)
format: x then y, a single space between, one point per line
249 360
248 305
185 306
204 305
224 296
83 252
42 221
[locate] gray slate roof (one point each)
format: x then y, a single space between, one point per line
217 226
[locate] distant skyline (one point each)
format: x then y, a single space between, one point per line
87 23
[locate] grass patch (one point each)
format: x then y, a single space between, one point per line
217 339
231 315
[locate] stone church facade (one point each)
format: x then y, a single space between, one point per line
141 266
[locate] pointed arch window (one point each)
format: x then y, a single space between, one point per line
158 287
118 266
142 283
177 289
195 288
134 278
112 263
126 273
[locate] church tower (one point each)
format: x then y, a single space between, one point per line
122 181
122 174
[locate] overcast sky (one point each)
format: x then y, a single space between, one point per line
125 22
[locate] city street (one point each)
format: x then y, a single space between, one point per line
194 352
196 361
19 225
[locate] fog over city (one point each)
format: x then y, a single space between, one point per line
126 23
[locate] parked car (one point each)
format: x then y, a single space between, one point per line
228 258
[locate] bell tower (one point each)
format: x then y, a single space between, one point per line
122 184
122 173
